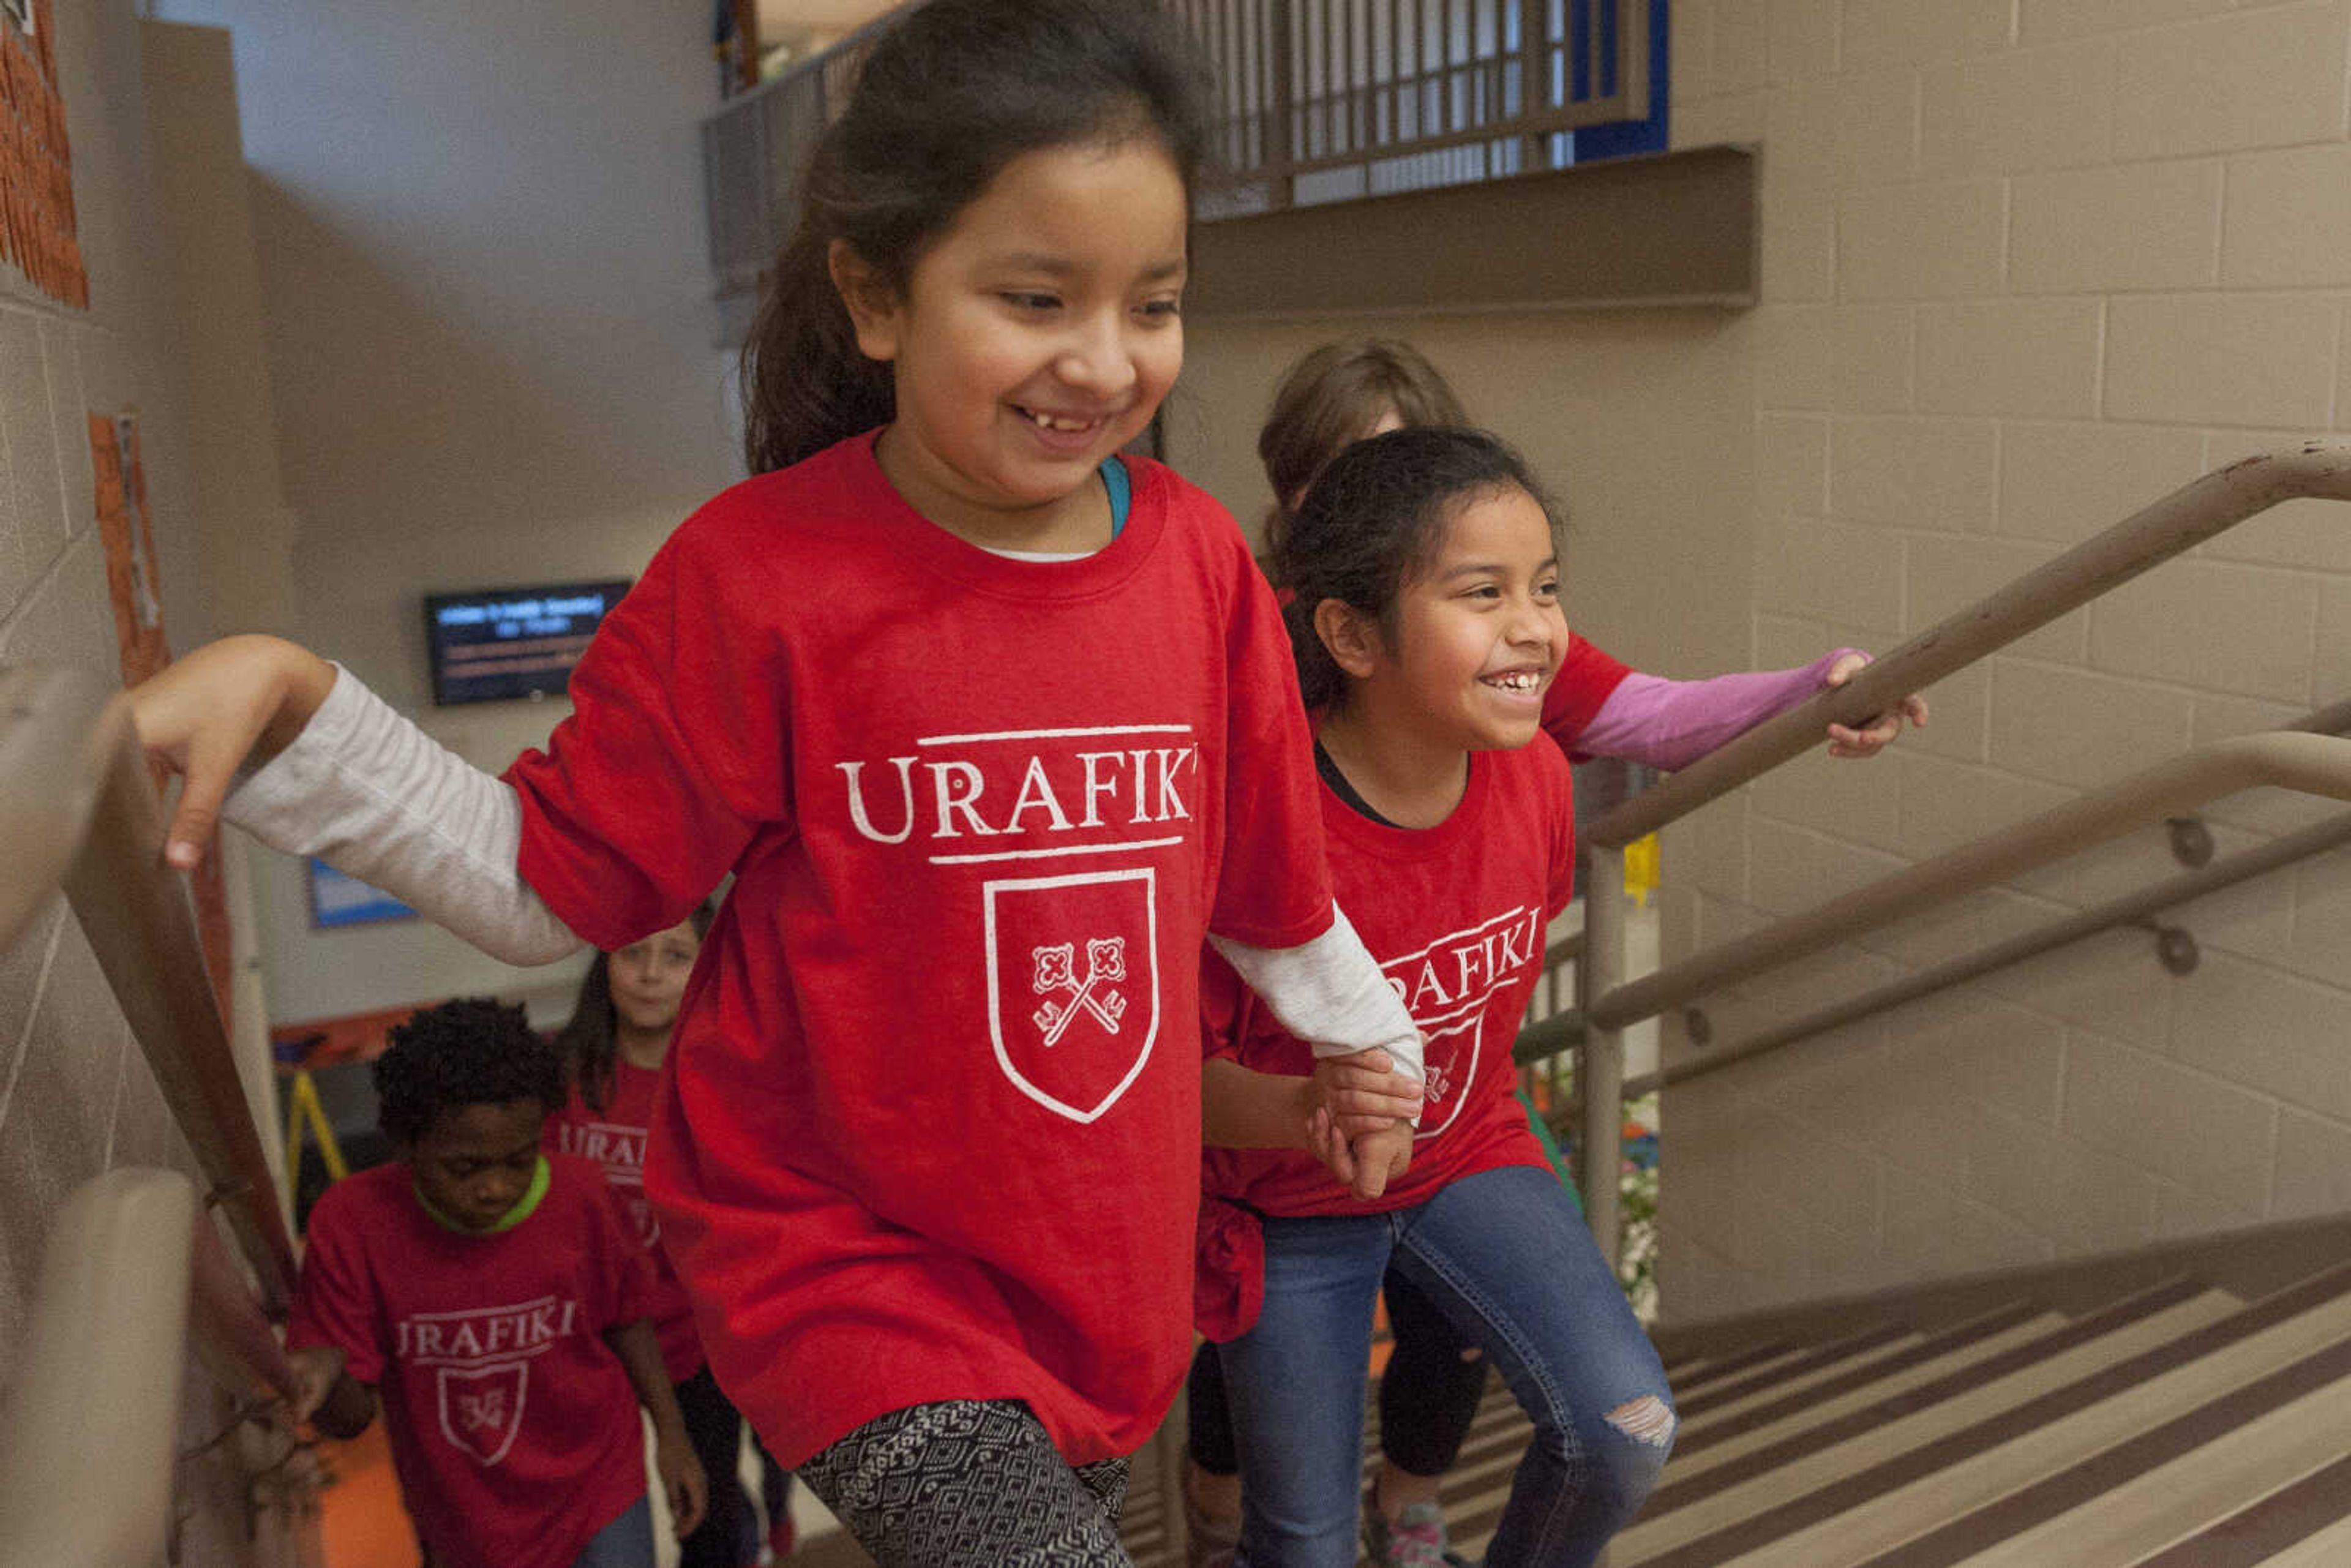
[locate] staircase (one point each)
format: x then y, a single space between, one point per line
2184 1406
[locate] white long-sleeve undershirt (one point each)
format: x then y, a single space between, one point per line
366 791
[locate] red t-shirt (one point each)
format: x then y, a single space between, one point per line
513 1428
1455 916
929 1128
1586 677
614 1138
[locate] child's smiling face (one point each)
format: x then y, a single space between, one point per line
1034 339
475 1162
1478 633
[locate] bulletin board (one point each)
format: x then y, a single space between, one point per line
37 232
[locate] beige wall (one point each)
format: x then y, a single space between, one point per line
76 1095
487 328
2026 265
1638 420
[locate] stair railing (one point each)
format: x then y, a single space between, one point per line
2178 522
78 810
133 1262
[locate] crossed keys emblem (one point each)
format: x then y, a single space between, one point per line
480 1410
1057 971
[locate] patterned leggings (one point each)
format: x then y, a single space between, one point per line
970 1482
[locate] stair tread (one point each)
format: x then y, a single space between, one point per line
2330 1548
1655 1532
2176 1499
1948 1347
1890 1517
1707 1458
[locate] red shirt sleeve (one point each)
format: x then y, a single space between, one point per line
1586 677
1273 889
333 1303
675 749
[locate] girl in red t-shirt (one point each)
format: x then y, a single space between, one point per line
1428 629
613 1046
992 725
1329 398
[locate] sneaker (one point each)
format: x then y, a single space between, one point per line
782 1536
1417 1540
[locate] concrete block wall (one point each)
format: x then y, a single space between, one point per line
2027 265
76 1094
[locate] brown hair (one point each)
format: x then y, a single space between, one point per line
952 93
1328 400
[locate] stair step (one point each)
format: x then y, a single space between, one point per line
2046 1420
1943 1347
2249 1440
1805 1425
2330 1548
1794 1491
1800 1455
2278 1530
1788 1373
1762 1358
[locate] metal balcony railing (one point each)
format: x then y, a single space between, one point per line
1317 99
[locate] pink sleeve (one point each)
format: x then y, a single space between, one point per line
1672 724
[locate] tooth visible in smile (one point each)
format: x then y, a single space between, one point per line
1519 681
1055 422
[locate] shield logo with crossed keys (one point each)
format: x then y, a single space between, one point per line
1073 985
1105 963
481 1409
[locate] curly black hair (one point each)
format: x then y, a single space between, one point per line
474 1051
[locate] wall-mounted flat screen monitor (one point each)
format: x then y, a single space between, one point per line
495 645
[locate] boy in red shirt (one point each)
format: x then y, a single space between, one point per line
491 1299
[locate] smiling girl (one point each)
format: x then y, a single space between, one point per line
1428 632
992 725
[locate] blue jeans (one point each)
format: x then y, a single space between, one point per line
1505 1255
626 1542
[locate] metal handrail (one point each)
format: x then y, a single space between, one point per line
131 1266
2179 521
2134 908
2315 764
2318 838
80 810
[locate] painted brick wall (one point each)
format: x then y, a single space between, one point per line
2027 265
76 1094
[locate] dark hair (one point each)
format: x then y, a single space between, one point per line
1373 521
590 1043
475 1051
948 96
1326 402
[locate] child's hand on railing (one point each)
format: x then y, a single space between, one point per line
205 714
315 1369
1873 736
